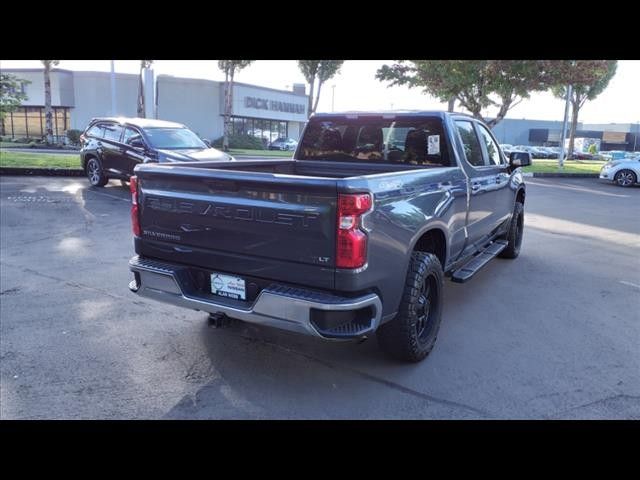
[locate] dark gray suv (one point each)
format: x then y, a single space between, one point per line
112 147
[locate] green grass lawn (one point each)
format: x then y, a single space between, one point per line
37 160
570 166
261 153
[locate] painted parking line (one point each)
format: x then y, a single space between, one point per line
630 284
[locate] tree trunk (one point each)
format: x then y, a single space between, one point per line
504 108
452 104
575 109
228 96
47 103
315 104
141 112
310 107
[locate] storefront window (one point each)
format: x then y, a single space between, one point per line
30 122
266 130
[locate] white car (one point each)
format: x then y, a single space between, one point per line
624 172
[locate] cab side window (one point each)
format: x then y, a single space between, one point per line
472 148
492 147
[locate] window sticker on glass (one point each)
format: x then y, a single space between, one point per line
433 147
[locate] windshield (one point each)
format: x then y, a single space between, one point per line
173 138
416 141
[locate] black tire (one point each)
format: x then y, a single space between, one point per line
625 178
94 172
411 335
515 233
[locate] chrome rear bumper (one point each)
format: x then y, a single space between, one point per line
280 306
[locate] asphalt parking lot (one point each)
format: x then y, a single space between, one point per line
553 334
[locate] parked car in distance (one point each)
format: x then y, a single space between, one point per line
578 155
112 147
614 154
283 143
534 151
624 172
506 148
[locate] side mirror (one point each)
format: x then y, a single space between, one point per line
207 142
519 159
137 143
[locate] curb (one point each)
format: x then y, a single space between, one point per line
62 151
43 172
566 175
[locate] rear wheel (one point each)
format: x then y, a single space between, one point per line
625 178
411 335
94 172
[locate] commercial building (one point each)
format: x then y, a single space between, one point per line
611 136
79 96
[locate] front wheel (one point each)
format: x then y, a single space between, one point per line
625 178
411 335
96 176
515 233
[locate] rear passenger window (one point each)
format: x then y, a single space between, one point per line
96 131
112 132
471 144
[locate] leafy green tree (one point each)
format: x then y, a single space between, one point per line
11 96
48 111
318 71
229 67
588 78
475 84
142 111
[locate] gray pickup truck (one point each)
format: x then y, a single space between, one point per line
353 235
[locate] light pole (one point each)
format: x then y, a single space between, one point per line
333 95
113 89
564 126
635 137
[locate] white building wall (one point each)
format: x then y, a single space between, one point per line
61 87
192 102
196 103
92 92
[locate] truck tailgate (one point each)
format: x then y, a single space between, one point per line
263 225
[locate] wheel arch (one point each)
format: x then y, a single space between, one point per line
433 240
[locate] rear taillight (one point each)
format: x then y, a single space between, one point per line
135 217
351 241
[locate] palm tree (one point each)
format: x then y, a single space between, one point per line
141 107
318 71
229 67
48 113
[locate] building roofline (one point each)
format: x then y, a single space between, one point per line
63 70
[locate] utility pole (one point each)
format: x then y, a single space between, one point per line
113 89
564 126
